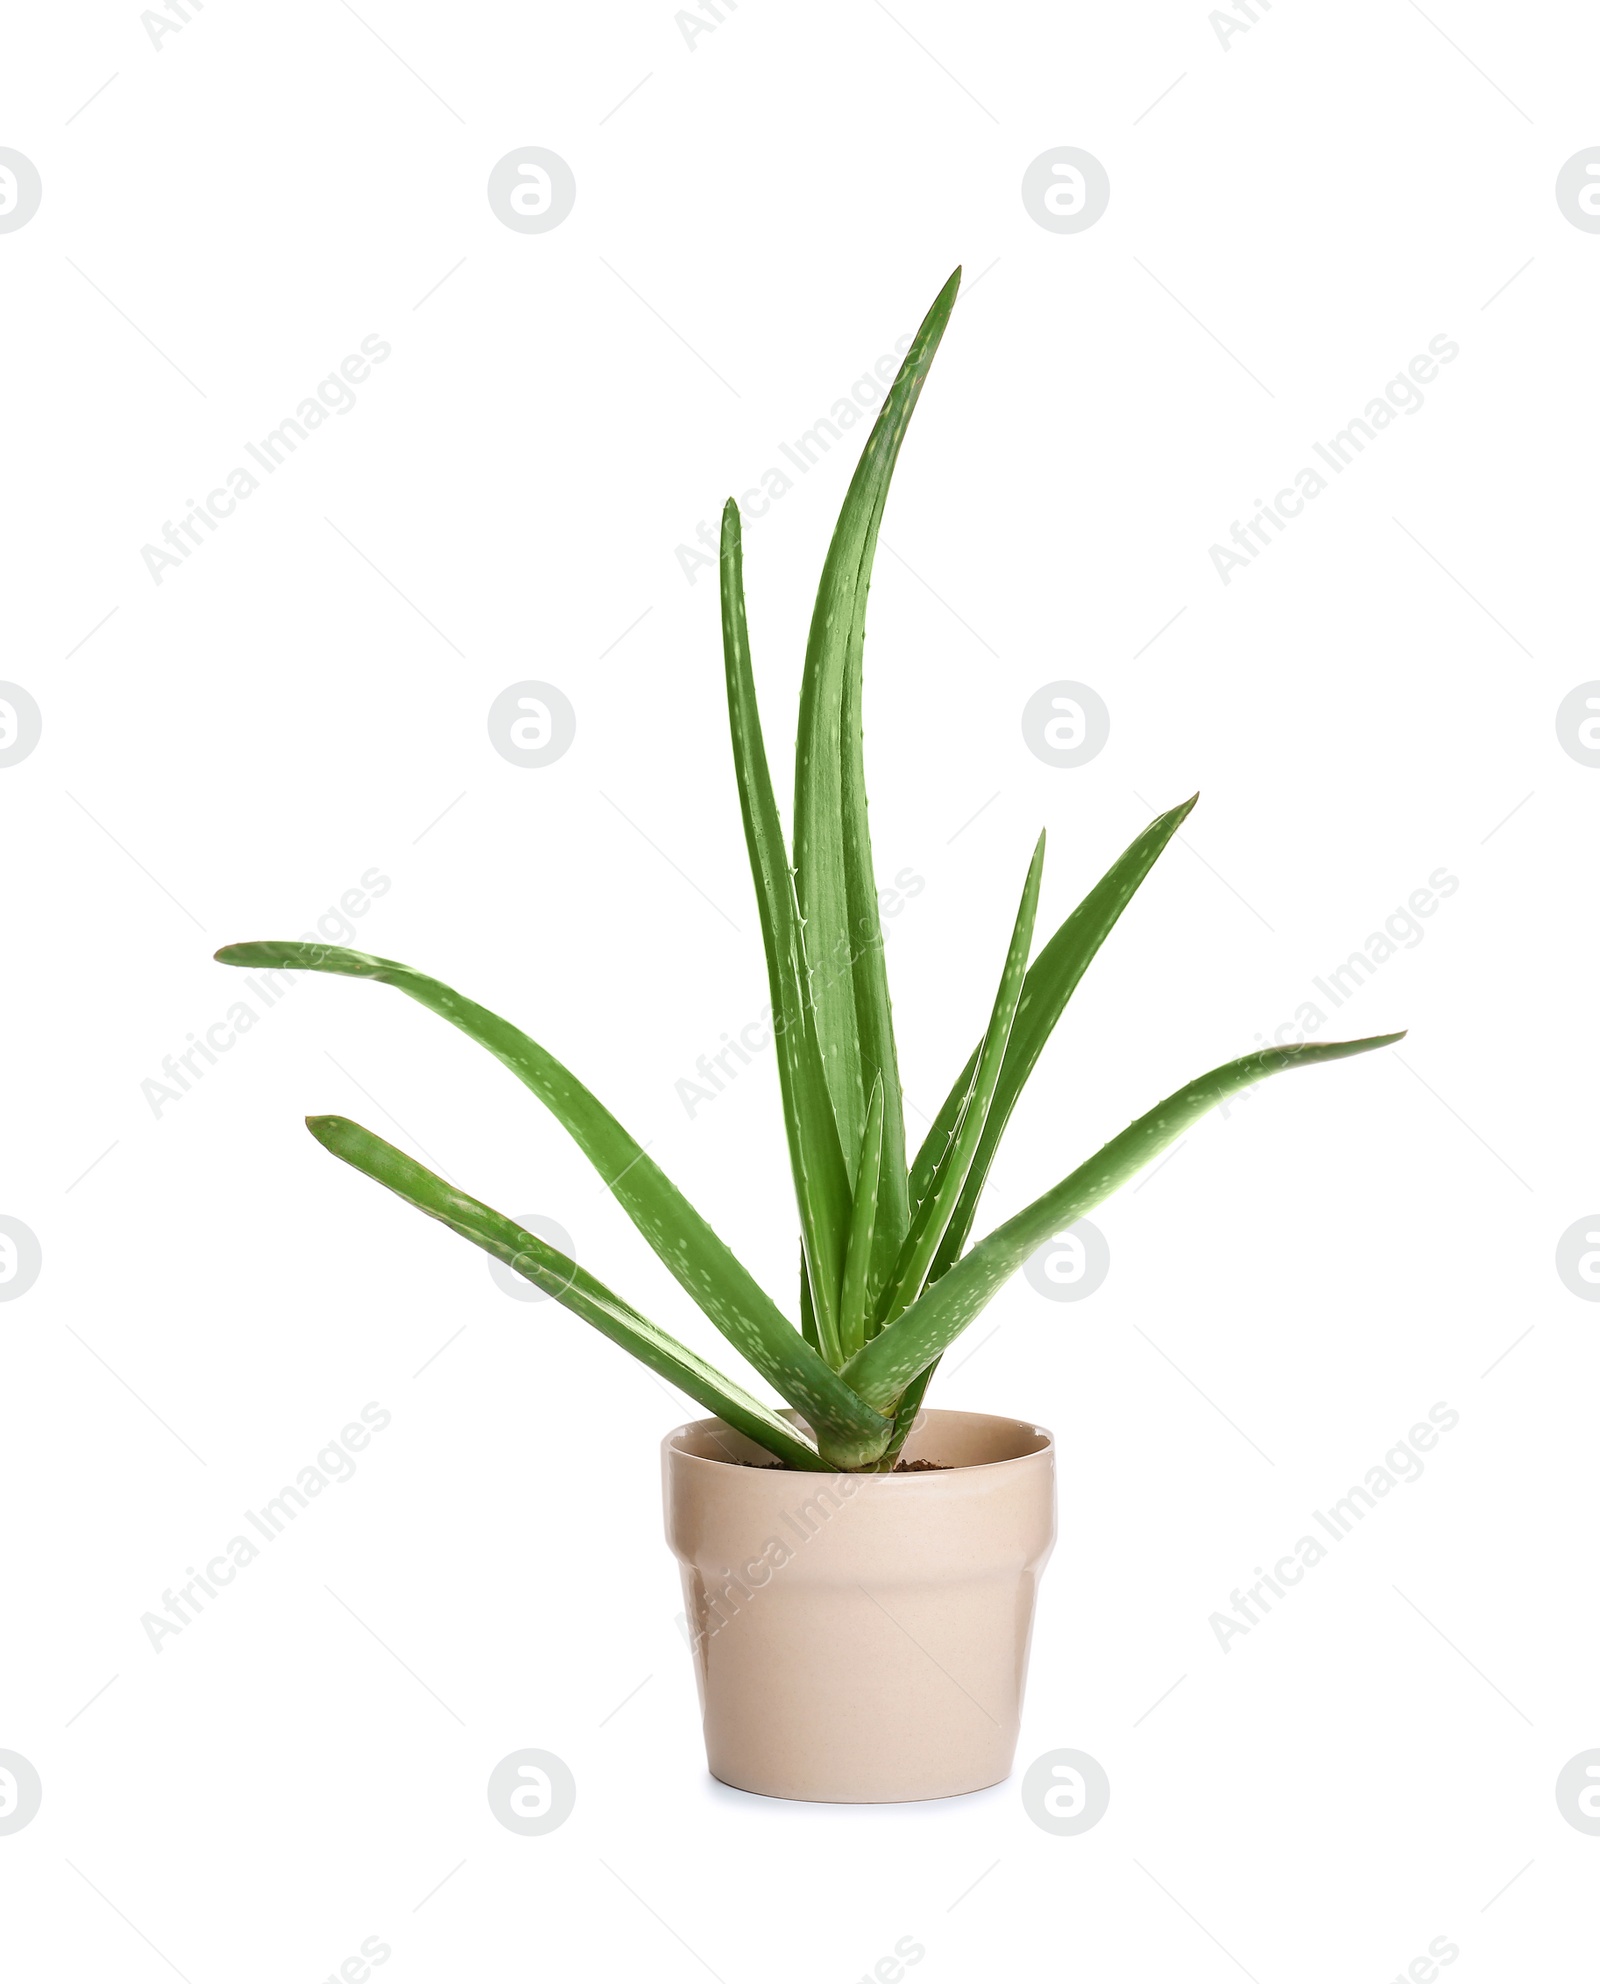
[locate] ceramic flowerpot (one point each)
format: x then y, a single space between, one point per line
862 1638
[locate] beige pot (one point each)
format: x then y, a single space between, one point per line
862 1638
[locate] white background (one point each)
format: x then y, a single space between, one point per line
227 753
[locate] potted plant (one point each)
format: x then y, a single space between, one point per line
859 1574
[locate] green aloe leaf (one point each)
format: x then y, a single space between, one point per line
569 1284
863 1222
833 849
1045 991
1049 985
905 1417
727 1292
808 1310
821 1183
886 1366
933 1213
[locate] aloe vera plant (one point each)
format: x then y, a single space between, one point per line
888 1280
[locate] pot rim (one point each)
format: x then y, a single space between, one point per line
677 1455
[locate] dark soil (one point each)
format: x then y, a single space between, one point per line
900 1467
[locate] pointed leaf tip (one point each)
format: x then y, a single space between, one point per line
912 1341
722 1288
